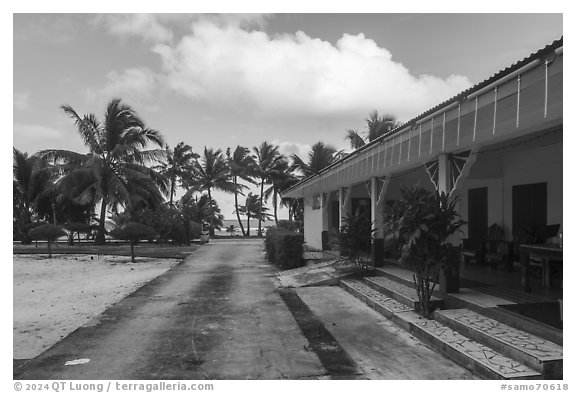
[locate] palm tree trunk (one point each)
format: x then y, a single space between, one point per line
248 224
172 186
132 250
100 238
236 207
260 208
211 221
275 203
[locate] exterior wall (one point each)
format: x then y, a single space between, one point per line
417 176
495 201
313 223
500 174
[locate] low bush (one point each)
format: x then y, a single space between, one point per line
284 248
287 225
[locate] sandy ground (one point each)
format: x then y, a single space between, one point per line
53 297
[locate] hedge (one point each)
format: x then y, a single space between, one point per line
284 248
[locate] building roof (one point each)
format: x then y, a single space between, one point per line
459 97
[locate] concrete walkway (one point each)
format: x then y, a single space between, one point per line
217 315
380 348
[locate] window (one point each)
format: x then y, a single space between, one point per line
316 201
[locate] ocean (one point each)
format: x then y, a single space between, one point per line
238 231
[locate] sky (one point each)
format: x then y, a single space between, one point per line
222 80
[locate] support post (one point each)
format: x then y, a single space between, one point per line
344 198
378 189
444 185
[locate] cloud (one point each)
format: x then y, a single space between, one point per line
134 85
21 101
289 148
146 26
163 27
295 74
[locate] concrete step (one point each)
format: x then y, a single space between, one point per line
488 306
400 292
481 359
396 273
537 353
383 304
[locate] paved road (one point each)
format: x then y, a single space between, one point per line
214 316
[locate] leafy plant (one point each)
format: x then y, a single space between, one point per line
422 222
354 238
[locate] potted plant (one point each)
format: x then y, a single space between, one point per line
422 222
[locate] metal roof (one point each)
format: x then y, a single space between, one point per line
497 76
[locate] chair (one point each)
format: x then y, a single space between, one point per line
496 249
471 249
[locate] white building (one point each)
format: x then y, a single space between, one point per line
497 145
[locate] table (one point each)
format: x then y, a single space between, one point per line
546 252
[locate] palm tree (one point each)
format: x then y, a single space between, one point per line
282 178
253 209
178 166
212 173
241 166
115 171
200 210
268 163
319 158
376 127
32 180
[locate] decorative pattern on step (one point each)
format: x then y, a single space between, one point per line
375 296
533 345
498 363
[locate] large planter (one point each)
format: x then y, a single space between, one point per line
449 278
377 252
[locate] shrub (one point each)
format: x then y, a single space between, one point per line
284 248
355 236
47 232
133 232
287 225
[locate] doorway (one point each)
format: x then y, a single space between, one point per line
529 208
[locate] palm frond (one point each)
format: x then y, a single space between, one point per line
355 140
88 127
